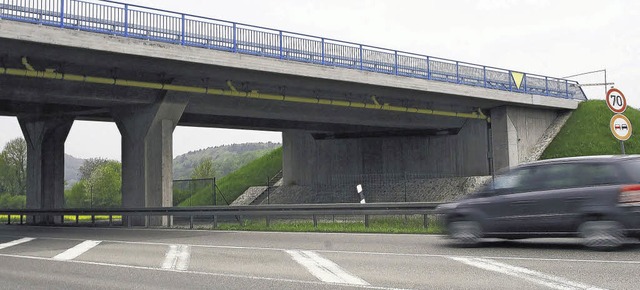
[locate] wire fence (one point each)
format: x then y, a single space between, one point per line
407 187
122 19
197 192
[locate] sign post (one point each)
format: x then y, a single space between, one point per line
620 126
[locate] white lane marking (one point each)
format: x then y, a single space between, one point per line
349 252
196 272
177 257
324 269
76 251
16 242
550 281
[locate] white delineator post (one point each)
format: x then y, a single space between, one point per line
359 189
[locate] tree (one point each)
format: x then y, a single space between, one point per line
13 167
105 184
89 166
204 169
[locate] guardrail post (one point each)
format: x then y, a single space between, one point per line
315 221
62 220
8 219
322 48
129 221
425 221
182 42
110 220
191 222
366 220
235 41
126 20
93 220
62 13
77 219
280 35
21 220
267 221
215 221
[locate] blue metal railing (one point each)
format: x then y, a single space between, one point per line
146 23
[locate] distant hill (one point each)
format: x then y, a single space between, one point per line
226 158
71 166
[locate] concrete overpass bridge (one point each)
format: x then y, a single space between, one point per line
343 108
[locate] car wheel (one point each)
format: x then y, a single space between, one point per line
465 233
602 235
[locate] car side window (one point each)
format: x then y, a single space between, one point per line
592 174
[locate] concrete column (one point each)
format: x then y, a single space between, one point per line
45 137
147 153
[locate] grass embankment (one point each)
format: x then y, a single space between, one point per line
234 184
377 224
587 133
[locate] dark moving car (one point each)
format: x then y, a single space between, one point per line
596 198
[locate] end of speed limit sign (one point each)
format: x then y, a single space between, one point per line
616 101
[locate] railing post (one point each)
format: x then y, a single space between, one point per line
546 85
360 56
235 41
510 78
182 42
566 88
524 82
484 75
62 13
395 66
126 20
428 68
280 35
457 72
322 48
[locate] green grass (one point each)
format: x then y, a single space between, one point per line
67 218
234 184
587 133
395 225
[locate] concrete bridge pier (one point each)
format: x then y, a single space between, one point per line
45 137
147 154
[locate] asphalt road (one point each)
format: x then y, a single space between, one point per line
99 258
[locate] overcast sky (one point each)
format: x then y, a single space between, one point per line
552 38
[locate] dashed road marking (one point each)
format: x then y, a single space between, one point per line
76 251
16 242
177 257
540 278
324 269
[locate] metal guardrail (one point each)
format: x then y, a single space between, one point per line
122 19
267 211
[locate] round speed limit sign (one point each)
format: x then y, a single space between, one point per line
616 101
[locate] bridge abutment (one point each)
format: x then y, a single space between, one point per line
45 137
147 154
515 132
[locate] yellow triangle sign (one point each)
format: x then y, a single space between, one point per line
517 78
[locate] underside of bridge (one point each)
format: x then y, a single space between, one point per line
334 120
